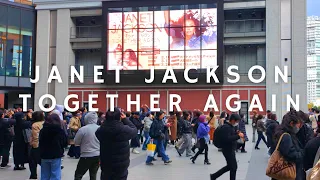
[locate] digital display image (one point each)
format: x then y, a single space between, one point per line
162 38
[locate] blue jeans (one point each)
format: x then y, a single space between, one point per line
146 141
160 150
51 169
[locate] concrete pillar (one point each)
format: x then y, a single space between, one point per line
42 54
299 52
63 53
286 46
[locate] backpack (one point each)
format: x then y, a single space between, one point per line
151 131
218 137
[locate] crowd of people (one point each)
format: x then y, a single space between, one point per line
105 140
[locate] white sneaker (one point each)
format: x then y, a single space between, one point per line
134 151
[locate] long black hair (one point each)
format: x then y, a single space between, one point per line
285 127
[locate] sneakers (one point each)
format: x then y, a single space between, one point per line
134 151
167 162
149 164
5 167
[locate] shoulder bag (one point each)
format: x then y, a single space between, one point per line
278 167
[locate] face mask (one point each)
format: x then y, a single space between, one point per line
236 124
296 129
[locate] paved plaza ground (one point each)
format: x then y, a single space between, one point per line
251 166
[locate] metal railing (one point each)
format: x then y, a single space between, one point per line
245 26
86 32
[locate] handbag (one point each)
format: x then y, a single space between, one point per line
240 141
151 148
278 167
27 135
314 173
71 134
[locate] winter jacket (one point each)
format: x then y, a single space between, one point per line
203 130
36 127
6 136
254 120
186 127
136 122
173 128
52 141
270 132
305 134
74 125
114 136
180 125
157 129
147 123
310 152
260 126
195 121
242 128
291 150
230 137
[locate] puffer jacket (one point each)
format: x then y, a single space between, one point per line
157 130
114 136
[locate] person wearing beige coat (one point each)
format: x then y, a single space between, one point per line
34 157
74 126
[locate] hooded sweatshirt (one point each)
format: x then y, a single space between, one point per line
86 137
58 110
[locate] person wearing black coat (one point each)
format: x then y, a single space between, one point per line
157 133
20 146
271 127
305 132
52 141
6 136
310 152
114 135
290 147
135 142
229 145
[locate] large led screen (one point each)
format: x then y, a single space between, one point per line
143 37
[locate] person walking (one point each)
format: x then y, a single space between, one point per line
173 128
90 147
157 133
73 127
186 140
254 125
52 141
203 140
34 157
211 119
260 129
242 129
114 135
147 121
229 145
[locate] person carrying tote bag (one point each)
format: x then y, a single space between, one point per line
278 167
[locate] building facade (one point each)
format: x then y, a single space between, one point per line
17 30
313 59
252 32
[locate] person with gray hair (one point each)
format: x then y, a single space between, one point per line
90 147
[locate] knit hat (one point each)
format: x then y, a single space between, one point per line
202 118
